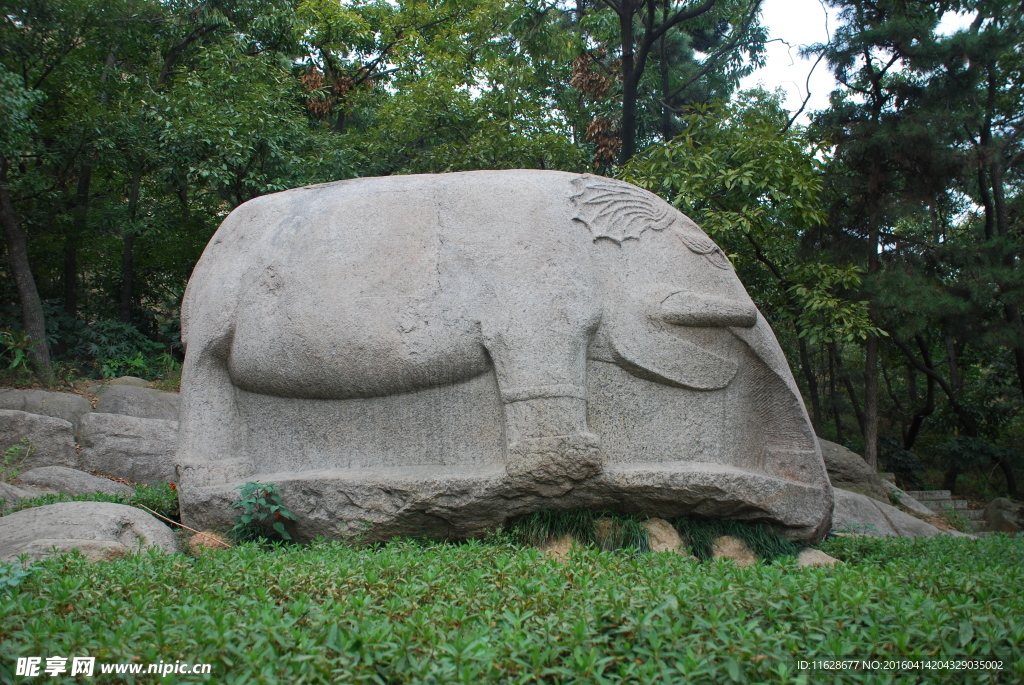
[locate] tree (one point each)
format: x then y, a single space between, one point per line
669 35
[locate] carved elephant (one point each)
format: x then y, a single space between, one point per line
379 287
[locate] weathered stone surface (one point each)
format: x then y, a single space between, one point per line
100 529
847 470
815 557
729 547
61 405
71 481
52 439
1004 515
856 513
663 537
140 450
437 354
143 403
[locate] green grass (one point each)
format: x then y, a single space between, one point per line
419 612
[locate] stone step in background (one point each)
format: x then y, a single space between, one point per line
940 501
925 495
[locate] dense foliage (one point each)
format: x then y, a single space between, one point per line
418 613
882 242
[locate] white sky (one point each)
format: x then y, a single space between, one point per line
800 23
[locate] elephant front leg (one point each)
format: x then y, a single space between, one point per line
541 379
211 435
546 437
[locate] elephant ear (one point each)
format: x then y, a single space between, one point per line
618 211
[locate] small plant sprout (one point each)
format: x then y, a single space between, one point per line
13 459
263 510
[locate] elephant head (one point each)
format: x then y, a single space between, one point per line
669 332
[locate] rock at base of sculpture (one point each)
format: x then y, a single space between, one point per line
905 501
439 354
663 537
849 471
1003 515
859 514
101 530
733 549
142 403
815 557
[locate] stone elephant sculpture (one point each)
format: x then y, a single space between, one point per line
455 338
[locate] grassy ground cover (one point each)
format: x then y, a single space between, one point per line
411 612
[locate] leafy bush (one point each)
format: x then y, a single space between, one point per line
14 348
11 575
161 498
263 510
414 612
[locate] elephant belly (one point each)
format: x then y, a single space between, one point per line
371 348
338 319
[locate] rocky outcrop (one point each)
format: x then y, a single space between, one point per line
100 530
848 471
860 514
60 405
51 440
1004 516
72 481
142 403
140 450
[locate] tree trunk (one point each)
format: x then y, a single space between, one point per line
31 305
630 83
666 115
871 402
128 260
812 386
849 387
835 401
73 239
1011 479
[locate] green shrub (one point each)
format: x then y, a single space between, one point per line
263 511
161 498
415 612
